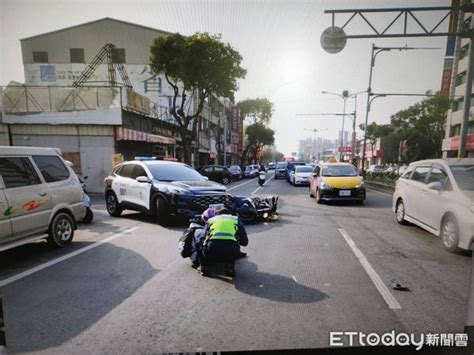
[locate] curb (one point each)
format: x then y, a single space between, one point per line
379 187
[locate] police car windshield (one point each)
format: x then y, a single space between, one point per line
339 170
174 172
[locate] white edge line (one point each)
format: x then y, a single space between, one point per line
384 291
62 258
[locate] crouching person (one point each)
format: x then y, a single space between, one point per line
222 237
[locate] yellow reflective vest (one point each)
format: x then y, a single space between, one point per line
223 227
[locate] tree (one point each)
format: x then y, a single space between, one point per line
257 113
376 131
422 126
201 64
257 110
271 155
258 136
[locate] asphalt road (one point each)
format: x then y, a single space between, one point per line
319 268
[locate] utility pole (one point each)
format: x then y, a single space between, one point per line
225 137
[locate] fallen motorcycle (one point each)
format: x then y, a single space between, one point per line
253 209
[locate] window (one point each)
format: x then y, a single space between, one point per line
455 130
51 167
118 55
117 170
127 171
18 172
457 104
77 55
464 176
174 172
339 170
218 169
407 173
40 57
460 78
420 173
437 174
208 169
470 127
138 171
464 52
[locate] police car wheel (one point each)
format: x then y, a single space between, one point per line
161 212
113 206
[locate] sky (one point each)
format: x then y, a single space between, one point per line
279 41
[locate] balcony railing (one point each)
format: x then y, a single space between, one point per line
23 99
37 99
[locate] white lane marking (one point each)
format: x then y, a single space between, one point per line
236 186
379 192
294 278
258 188
386 294
64 257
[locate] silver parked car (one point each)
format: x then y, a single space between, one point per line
40 197
438 196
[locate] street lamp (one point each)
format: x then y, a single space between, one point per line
345 95
375 51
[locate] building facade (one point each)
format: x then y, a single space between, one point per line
457 62
95 117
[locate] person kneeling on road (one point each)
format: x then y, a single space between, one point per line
220 242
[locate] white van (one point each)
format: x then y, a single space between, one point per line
40 197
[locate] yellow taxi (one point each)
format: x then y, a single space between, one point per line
336 182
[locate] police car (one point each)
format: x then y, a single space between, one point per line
163 189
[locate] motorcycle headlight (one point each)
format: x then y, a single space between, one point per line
324 186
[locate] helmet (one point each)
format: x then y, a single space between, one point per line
209 213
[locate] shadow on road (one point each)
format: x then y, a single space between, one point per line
277 288
53 306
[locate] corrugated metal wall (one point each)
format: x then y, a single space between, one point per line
94 143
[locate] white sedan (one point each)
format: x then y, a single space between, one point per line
438 196
301 174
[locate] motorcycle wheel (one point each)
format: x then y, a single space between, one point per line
247 218
89 216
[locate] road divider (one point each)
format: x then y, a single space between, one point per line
384 291
35 269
